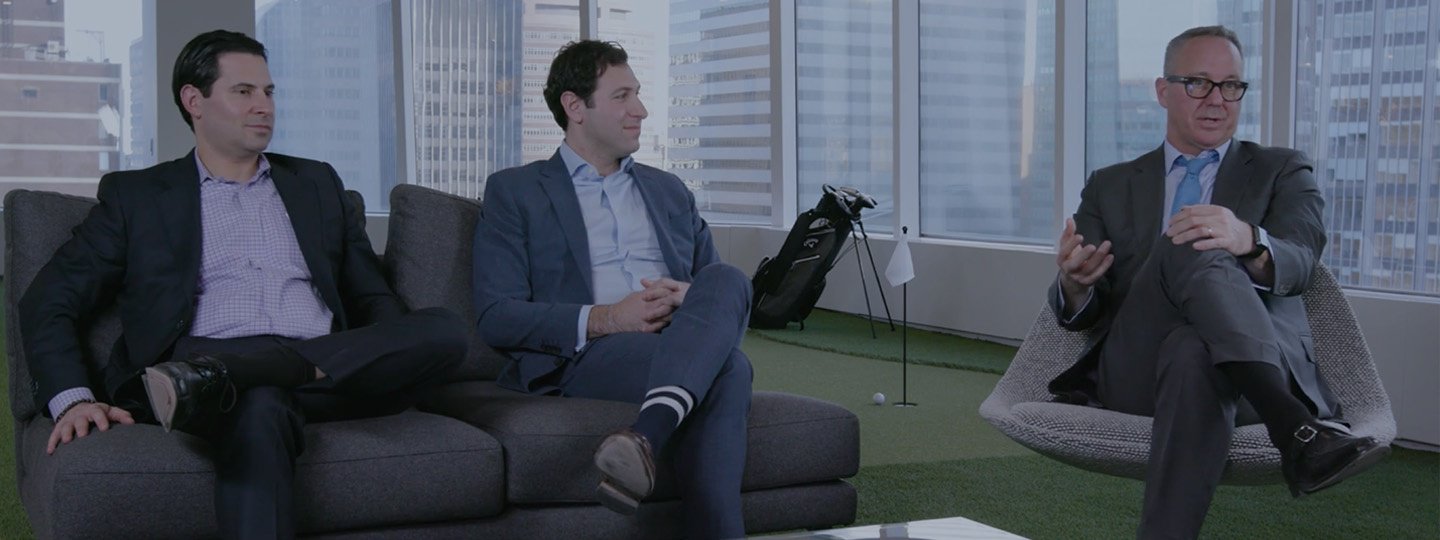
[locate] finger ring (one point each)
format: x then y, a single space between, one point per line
1210 232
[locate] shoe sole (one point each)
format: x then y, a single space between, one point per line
624 482
616 499
1366 460
161 390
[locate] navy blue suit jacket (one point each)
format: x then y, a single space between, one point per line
532 261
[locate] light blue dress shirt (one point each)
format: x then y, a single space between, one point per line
624 247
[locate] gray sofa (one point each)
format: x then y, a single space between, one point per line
473 461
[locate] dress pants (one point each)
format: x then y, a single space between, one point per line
698 351
1187 311
376 370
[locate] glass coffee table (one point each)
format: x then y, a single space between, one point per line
952 528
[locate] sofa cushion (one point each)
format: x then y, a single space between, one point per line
549 441
428 257
407 468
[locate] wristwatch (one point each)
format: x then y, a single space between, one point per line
1262 242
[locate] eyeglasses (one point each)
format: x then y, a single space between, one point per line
1200 87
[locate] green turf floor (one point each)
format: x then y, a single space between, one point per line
852 335
940 459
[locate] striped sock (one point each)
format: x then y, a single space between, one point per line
664 408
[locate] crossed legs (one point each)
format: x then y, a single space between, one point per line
698 355
375 370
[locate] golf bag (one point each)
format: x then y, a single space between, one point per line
787 286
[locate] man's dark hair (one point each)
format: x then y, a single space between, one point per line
199 62
1200 31
577 68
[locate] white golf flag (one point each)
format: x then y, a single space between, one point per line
901 268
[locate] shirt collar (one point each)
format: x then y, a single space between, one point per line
261 172
581 170
1171 153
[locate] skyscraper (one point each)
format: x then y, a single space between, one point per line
326 58
1368 112
141 153
1103 115
972 81
466 86
62 117
719 136
548 25
845 80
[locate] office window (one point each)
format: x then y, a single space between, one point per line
845 102
547 27
987 120
349 123
57 135
704 71
1125 53
466 85
1365 73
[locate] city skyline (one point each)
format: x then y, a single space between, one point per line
64 116
1365 103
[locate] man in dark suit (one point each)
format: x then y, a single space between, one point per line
250 299
598 277
1189 263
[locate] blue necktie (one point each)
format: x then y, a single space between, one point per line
1188 192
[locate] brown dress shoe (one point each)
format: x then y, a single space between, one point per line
627 469
1322 455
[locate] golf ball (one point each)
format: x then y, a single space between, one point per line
879 398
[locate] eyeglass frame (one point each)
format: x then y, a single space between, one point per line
1187 81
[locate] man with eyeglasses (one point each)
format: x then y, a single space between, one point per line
1189 263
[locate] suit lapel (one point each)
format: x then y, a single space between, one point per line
659 221
178 205
1231 186
303 206
555 182
1147 193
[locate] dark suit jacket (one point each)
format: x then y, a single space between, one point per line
141 246
1274 187
532 260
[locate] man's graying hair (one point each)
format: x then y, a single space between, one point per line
1200 31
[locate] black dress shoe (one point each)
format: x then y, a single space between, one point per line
1322 455
183 391
627 469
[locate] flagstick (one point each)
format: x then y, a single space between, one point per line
905 341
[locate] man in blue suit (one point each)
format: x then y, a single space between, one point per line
598 277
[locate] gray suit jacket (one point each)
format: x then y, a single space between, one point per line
1274 187
532 261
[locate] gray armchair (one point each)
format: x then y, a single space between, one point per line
1118 444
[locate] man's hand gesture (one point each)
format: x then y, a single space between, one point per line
675 289
646 310
1081 265
75 422
1210 227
